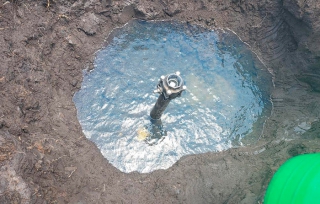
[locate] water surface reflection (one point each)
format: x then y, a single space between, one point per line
226 103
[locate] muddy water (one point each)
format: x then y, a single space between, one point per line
225 105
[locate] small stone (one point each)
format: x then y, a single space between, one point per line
74 83
71 40
38 164
89 24
25 129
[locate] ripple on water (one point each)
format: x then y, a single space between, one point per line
226 103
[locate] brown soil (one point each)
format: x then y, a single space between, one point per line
45 45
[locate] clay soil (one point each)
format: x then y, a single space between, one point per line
45 46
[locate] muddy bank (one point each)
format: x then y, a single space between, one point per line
45 45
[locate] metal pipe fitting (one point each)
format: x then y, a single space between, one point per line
169 87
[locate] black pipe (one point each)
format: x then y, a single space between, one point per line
159 107
157 132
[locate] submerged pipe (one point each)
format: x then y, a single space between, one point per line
169 87
157 132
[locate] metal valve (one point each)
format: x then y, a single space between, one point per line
169 87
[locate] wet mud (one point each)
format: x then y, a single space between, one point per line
46 45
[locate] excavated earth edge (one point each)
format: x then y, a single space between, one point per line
46 45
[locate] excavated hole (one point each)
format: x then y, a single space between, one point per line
225 105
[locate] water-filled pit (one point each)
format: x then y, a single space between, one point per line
225 105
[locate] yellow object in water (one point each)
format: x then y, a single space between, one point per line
143 133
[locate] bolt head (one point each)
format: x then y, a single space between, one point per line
184 87
169 92
162 77
178 73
